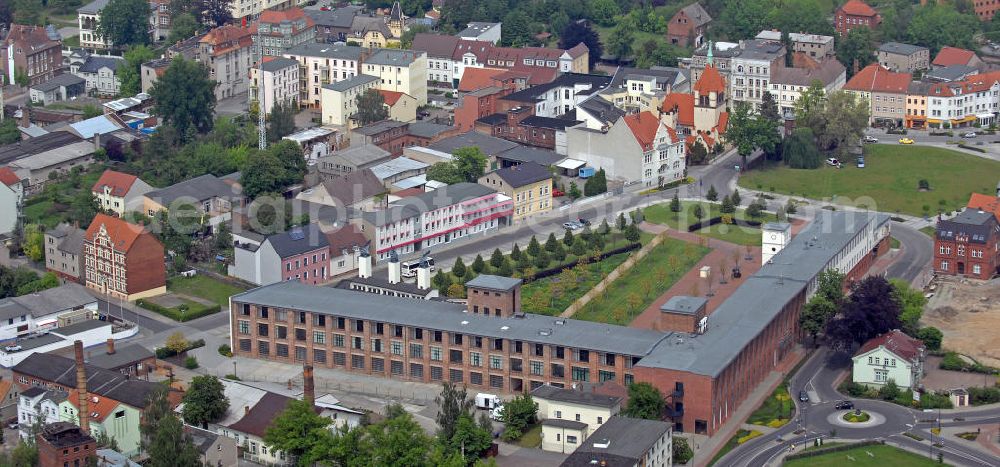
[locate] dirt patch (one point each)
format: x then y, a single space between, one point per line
968 313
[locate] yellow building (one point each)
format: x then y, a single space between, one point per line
338 100
916 105
402 107
528 184
402 71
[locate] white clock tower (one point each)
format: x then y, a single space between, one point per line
775 236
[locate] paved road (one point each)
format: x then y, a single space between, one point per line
987 142
128 314
917 252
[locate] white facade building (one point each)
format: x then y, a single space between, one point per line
893 356
279 83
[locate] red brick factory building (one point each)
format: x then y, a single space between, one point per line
490 344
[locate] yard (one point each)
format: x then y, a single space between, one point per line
551 296
639 286
661 214
891 180
204 287
192 297
882 456
532 437
55 203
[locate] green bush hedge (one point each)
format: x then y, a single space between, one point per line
839 448
952 361
196 310
163 352
971 148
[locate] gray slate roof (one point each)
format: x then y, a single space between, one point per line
101 382
451 317
545 157
201 188
278 63
70 238
59 81
392 57
682 304
489 145
11 309
313 49
565 80
523 174
354 187
337 17
601 109
360 156
380 126
563 423
427 129
345 84
64 297
697 14
629 440
574 396
900 48
298 240
488 281
95 62
124 355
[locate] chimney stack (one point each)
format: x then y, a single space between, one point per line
364 265
308 385
111 346
81 387
246 410
395 270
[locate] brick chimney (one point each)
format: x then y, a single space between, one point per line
111 346
81 387
308 384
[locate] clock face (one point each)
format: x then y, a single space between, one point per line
774 236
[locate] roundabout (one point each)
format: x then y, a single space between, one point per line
848 419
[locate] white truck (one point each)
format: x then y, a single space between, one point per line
491 403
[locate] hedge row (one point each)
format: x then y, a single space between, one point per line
559 269
718 220
822 451
971 148
163 352
197 310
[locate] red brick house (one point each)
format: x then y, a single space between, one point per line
967 245
31 50
521 125
985 9
688 25
855 13
123 260
63 443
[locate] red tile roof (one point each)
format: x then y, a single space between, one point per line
644 126
478 78
710 81
119 183
578 50
390 97
858 8
224 39
122 233
291 14
99 409
683 104
345 238
723 123
875 78
8 177
896 342
953 56
985 203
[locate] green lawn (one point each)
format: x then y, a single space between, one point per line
52 205
884 456
930 230
777 406
890 180
203 286
551 295
661 214
532 438
631 293
893 243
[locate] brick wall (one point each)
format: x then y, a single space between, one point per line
144 265
495 303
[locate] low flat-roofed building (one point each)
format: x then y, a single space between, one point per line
626 442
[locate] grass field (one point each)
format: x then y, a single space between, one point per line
551 295
51 206
890 180
205 287
778 406
661 214
884 456
532 437
631 293
929 231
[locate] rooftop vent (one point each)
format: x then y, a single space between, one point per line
544 332
504 328
602 443
464 322
560 322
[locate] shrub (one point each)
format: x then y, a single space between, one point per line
233 377
753 434
952 361
682 451
931 400
931 336
923 184
190 363
983 396
225 350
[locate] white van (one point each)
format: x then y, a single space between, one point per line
488 401
409 268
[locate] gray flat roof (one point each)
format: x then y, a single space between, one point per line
574 396
413 206
900 48
349 83
488 281
451 317
278 63
683 304
314 49
390 57
629 438
562 423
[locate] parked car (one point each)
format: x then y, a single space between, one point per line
844 405
424 113
905 141
803 396
572 225
583 221
870 139
557 193
833 162
971 134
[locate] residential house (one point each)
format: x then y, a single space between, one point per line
88 17
884 90
339 99
528 184
350 160
378 31
275 82
636 90
700 116
160 19
637 148
345 249
11 200
815 46
132 360
967 245
971 101
788 83
949 74
569 416
281 30
36 405
524 154
596 112
209 195
119 192
490 146
317 142
905 58
626 442
123 260
107 417
301 253
227 52
64 251
48 309
402 71
557 97
434 218
394 136
892 356
478 78
854 14
746 66
360 190
152 71
58 89
33 160
31 50
248 10
334 25
477 104
321 65
402 107
481 31
536 65
215 449
950 56
520 125
100 72
688 25
916 104
439 49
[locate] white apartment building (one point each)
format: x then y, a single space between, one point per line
402 71
322 64
963 103
88 16
787 84
279 83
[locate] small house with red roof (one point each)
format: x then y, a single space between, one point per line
636 148
854 14
402 106
892 356
118 192
11 197
951 56
123 260
884 90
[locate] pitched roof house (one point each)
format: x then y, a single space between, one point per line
119 192
638 147
688 25
949 56
123 260
892 356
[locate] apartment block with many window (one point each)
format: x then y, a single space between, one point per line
968 245
123 260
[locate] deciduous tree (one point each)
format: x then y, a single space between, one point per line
644 401
205 401
299 431
371 107
870 310
577 32
185 96
125 23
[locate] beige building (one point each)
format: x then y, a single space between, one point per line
226 51
570 416
788 83
884 90
119 192
528 184
64 251
322 64
814 45
338 99
402 107
903 58
399 70
916 105
279 84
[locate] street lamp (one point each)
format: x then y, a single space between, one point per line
234 368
